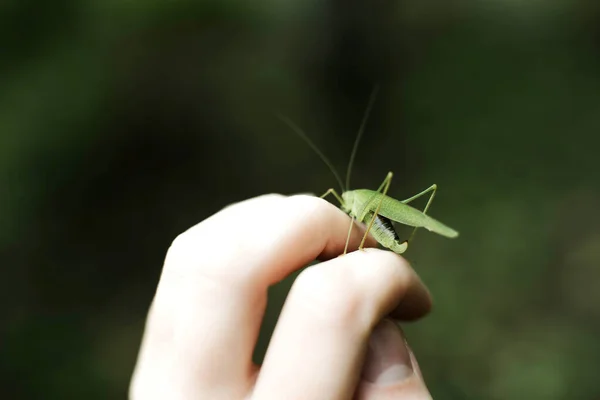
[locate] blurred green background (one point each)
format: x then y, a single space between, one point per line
123 123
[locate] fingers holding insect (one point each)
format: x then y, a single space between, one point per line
275 236
326 322
269 231
216 276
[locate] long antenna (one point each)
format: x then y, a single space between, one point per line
361 130
303 135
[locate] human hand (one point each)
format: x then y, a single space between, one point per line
332 340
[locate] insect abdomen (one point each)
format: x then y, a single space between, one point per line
383 231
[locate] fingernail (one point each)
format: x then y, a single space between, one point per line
388 357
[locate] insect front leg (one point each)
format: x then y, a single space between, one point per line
334 193
349 233
339 198
431 189
385 186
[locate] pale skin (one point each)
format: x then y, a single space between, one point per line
336 337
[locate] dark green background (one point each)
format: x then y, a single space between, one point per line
123 123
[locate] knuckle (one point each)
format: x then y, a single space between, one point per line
253 202
311 207
207 234
309 203
177 246
181 244
185 250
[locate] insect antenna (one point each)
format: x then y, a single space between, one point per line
361 130
303 135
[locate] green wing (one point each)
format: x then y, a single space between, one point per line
402 213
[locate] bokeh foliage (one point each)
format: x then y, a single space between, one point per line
122 123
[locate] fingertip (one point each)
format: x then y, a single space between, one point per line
335 218
416 304
416 301
384 275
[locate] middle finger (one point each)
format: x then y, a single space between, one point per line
319 344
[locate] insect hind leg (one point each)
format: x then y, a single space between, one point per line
431 189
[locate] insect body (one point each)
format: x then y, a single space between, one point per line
379 210
375 208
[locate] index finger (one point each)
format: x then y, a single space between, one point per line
273 235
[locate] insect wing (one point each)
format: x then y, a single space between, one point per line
403 213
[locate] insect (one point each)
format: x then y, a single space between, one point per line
374 207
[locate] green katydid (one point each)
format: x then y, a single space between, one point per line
375 208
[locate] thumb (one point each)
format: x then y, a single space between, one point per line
390 369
